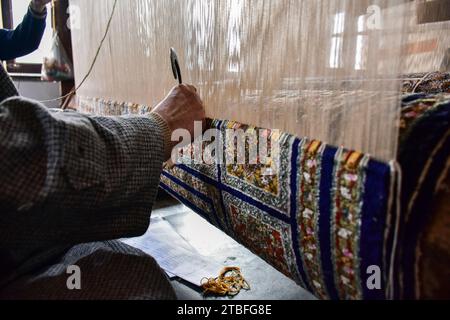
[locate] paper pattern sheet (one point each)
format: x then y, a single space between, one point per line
174 254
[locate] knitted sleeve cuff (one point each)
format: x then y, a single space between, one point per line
165 132
35 14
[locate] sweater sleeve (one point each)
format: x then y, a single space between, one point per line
72 178
25 38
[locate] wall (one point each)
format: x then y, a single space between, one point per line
33 88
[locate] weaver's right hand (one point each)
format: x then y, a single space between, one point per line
181 109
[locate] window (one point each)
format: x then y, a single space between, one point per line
361 44
13 12
337 41
234 35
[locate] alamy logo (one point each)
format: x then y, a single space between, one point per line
74 12
374 280
74 280
230 146
373 21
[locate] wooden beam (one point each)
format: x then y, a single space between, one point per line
61 18
433 11
1 18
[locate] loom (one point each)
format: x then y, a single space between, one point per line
355 88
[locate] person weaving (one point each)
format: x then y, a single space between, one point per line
71 184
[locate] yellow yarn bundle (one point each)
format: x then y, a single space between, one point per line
229 283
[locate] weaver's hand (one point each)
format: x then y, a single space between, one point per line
39 5
181 109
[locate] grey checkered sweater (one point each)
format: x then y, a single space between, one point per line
69 185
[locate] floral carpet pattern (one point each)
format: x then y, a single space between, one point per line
320 219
